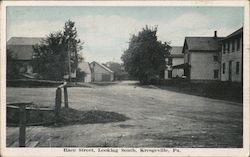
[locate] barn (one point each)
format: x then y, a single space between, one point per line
22 49
101 73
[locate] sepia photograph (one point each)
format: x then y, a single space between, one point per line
107 78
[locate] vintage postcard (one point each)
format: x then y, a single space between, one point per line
125 78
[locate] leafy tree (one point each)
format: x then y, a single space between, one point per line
145 57
51 57
12 67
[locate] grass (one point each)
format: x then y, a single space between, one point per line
68 116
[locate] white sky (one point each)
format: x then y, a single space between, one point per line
106 30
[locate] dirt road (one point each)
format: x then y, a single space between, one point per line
158 118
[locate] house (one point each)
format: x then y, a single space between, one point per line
201 58
22 52
176 57
232 57
84 68
100 72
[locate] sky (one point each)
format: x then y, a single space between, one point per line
106 30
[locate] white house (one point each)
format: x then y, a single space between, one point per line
101 73
231 57
175 58
85 67
201 58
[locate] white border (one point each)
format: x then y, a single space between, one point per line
236 152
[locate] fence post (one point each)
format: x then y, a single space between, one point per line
66 103
22 125
58 103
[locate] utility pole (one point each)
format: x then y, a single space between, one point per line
69 52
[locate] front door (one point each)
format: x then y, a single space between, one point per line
230 71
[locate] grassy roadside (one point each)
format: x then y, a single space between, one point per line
218 90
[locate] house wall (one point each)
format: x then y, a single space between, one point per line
177 61
177 72
203 66
99 74
235 56
87 78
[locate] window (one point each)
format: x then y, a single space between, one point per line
216 74
223 68
224 48
216 58
237 67
238 44
227 47
233 45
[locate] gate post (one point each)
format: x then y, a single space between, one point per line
66 103
58 104
22 125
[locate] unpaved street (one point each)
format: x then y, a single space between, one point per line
158 118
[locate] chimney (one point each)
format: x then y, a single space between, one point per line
215 34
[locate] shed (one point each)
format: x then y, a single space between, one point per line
101 73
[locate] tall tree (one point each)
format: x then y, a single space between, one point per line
52 57
74 44
145 57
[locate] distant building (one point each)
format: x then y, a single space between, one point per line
84 68
176 57
101 73
231 57
22 52
202 58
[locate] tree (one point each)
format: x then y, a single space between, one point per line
116 68
52 57
12 67
145 57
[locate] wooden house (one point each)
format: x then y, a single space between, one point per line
101 73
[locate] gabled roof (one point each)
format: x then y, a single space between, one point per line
22 47
101 65
176 52
24 40
236 33
203 43
84 66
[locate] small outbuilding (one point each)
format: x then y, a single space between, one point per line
85 68
101 73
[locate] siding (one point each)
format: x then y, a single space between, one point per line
100 74
203 66
235 56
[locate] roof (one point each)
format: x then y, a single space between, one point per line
181 66
22 47
24 41
104 67
236 33
176 52
203 43
84 66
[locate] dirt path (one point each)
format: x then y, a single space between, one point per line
158 118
